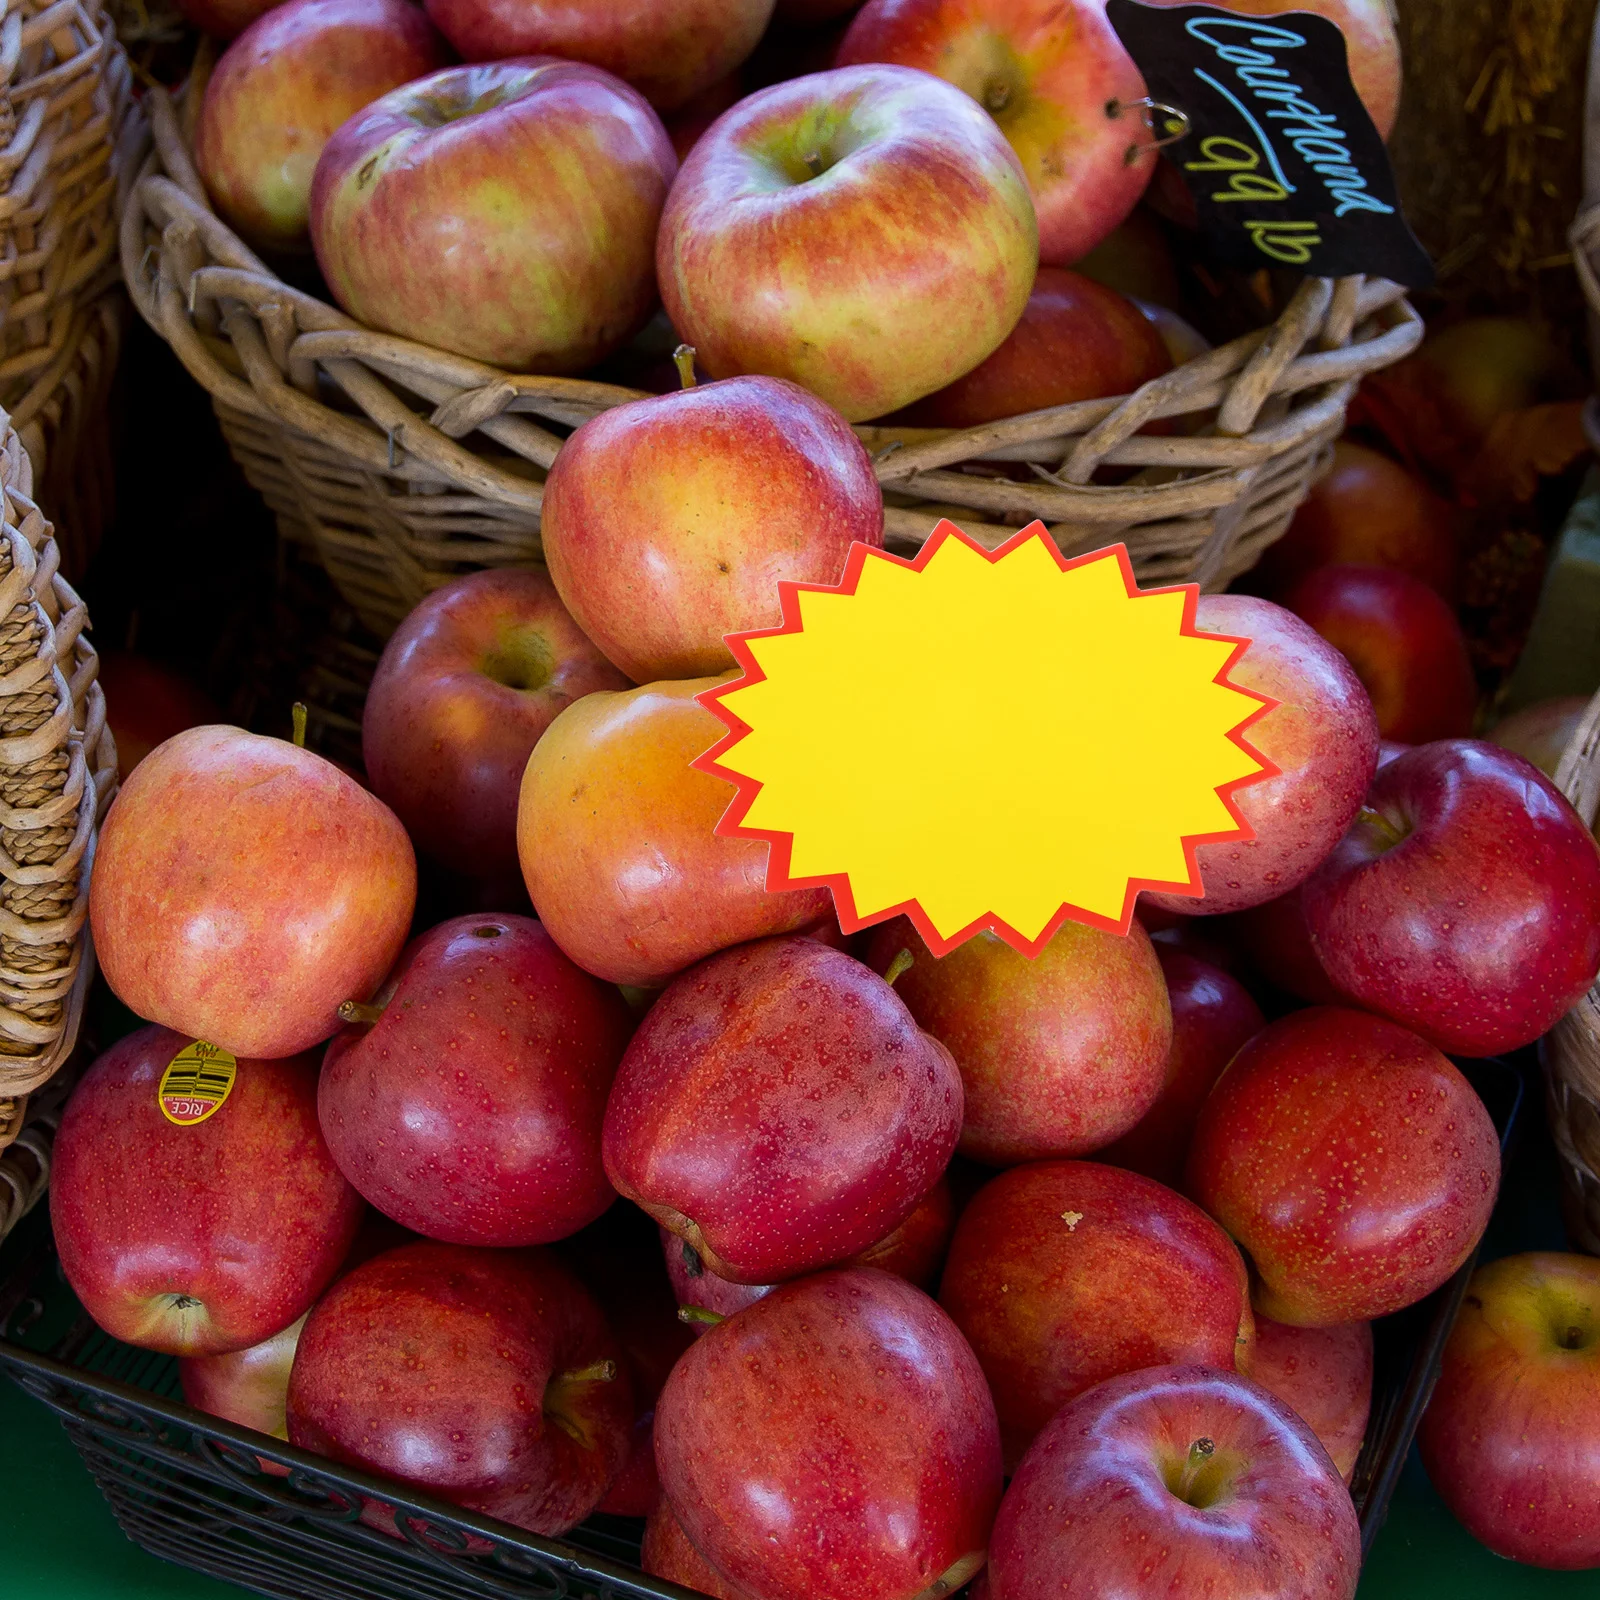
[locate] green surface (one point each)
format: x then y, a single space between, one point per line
58 1540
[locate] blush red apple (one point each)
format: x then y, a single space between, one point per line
670 522
1065 1273
866 233
857 1111
1324 1376
1351 1160
1464 902
203 1238
800 1461
464 689
244 889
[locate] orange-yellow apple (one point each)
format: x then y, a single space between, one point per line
669 523
1077 340
866 232
244 889
506 211
615 831
667 49
280 91
1322 736
1055 77
203 1237
464 690
1059 1054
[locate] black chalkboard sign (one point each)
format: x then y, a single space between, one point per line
1283 162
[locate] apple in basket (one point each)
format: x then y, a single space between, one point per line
1180 1481
464 689
146 704
667 49
1351 1160
506 212
835 1438
1465 900
1077 340
1322 736
667 1553
858 1110
1324 1376
1539 733
1404 642
244 889
1059 1053
486 1377
669 523
224 19
865 232
1055 77
466 1102
283 87
1064 1273
615 834
204 1236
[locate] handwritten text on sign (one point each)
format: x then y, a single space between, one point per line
1282 160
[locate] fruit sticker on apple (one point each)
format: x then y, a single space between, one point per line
1087 743
197 1080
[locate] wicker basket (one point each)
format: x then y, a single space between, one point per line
403 466
1571 1050
58 771
70 130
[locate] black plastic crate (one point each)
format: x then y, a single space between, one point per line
190 1488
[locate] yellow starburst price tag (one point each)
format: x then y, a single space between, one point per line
986 740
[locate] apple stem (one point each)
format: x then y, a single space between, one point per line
903 962
813 163
996 96
359 1011
1200 1452
683 359
297 716
595 1372
693 1314
1388 835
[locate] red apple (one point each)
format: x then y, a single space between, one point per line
1539 733
1404 642
283 87
1176 1481
1207 939
464 689
1065 1273
146 704
835 1438
1351 1160
1056 79
1510 1437
1371 40
1059 1053
196 1238
1324 1376
224 19
1389 749
1322 736
243 889
1212 1016
1367 511
1135 259
506 212
779 1109
865 232
699 111
667 1553
668 49
1465 901
914 1251
1278 942
485 1377
811 13
1077 340
615 835
466 1104
670 522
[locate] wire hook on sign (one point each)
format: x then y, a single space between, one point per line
1165 124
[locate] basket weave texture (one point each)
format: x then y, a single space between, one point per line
1571 1050
68 133
403 466
58 771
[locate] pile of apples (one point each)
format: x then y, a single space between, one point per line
877 232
